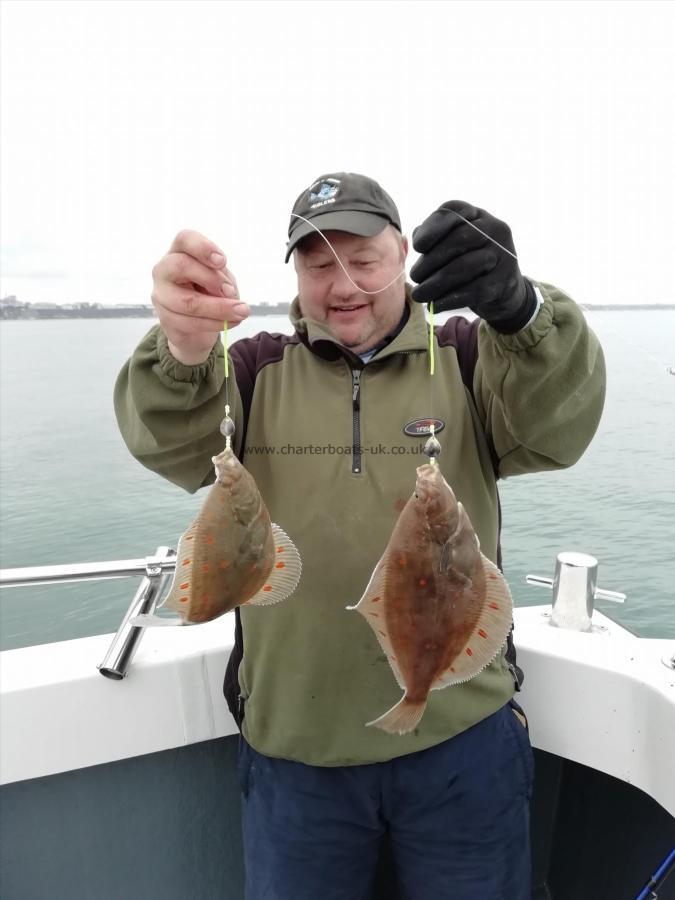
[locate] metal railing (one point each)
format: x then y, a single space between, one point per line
156 570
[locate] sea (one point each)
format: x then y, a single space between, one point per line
70 492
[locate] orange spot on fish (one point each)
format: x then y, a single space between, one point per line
402 561
268 587
205 567
185 586
422 582
186 562
375 600
183 599
209 539
493 605
224 563
280 565
280 549
482 633
469 651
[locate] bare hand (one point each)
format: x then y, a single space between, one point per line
194 293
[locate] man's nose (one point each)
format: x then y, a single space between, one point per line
343 283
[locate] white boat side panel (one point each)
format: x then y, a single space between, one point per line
59 713
604 699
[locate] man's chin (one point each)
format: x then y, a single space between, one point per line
357 343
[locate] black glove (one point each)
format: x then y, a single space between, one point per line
461 267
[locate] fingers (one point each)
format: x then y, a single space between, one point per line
194 293
478 295
462 242
191 311
441 222
457 253
199 247
458 273
179 268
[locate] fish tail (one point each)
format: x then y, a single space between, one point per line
402 717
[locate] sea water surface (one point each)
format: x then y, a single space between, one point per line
71 492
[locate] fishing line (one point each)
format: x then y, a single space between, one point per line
332 249
432 448
227 426
669 369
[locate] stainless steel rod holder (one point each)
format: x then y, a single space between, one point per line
575 590
128 637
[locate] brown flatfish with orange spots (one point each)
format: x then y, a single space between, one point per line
231 554
439 608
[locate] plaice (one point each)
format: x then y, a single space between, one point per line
230 555
439 608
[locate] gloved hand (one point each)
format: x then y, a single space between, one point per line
461 267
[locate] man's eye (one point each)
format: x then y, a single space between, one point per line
320 266
364 263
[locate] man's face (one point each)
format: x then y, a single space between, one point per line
357 319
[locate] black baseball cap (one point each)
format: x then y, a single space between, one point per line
342 201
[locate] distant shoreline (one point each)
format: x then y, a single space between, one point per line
629 306
23 312
32 311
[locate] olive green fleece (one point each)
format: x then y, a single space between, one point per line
313 673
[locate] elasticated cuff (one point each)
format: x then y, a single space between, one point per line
178 371
529 336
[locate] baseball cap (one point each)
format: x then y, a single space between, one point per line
342 201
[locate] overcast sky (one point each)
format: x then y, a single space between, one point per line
124 122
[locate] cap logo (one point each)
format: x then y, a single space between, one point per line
323 192
423 426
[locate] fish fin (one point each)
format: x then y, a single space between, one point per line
184 555
402 717
371 608
375 588
146 620
489 634
285 573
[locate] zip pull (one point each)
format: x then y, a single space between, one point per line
356 382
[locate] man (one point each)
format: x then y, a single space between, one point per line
328 423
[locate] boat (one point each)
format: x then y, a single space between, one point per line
125 786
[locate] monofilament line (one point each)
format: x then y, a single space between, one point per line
332 250
476 228
580 305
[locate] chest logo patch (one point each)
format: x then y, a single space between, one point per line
422 427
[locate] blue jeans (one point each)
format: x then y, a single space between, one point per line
457 816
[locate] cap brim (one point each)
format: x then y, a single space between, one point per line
352 221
